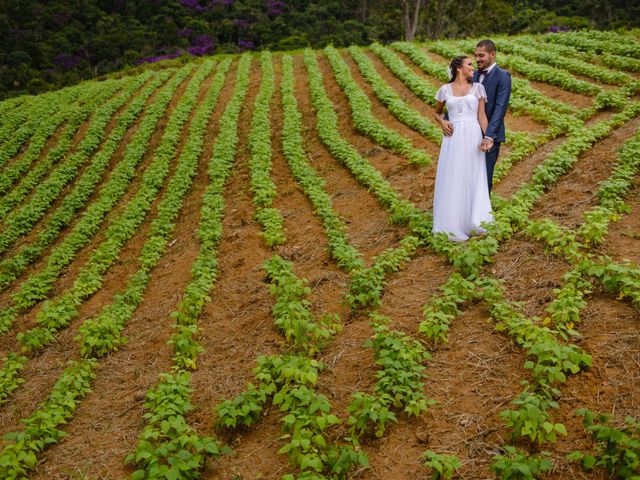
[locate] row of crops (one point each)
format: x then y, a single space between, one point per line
85 170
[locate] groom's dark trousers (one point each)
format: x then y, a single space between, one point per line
491 157
497 84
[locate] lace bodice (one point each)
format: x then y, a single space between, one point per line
464 107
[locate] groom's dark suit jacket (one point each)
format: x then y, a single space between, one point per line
497 83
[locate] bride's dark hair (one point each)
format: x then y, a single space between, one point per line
455 64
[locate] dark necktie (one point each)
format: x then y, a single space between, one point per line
482 72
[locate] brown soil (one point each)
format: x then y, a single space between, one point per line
372 232
623 242
237 325
235 314
523 170
529 273
32 235
82 256
34 388
415 181
410 181
350 365
611 387
381 112
556 93
575 193
473 377
106 426
405 93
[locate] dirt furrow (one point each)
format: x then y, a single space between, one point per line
82 256
238 323
414 182
106 426
529 273
36 388
28 238
523 170
368 224
472 378
623 241
405 93
395 168
575 193
78 136
609 330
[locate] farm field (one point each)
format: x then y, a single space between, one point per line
226 270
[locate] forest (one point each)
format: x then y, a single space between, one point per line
48 44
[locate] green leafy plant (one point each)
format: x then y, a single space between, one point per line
517 465
110 193
531 419
262 185
36 287
345 254
617 448
392 100
289 381
400 381
442 309
101 335
367 283
597 42
56 313
9 379
41 428
169 448
160 452
291 311
442 466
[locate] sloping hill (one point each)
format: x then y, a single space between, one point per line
238 253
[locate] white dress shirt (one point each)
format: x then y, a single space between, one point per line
482 76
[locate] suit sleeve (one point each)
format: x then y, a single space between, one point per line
502 102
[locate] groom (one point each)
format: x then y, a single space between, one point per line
497 83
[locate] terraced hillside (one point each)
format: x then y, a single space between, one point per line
226 270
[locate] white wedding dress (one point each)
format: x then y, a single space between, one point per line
461 197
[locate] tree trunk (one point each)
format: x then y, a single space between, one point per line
439 15
364 10
410 16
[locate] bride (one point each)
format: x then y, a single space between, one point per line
461 198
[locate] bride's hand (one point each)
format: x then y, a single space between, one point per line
447 127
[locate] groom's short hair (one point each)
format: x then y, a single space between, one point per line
487 44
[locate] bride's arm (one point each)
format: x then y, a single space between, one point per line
486 143
446 125
482 116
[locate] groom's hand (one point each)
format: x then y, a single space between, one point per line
447 127
486 145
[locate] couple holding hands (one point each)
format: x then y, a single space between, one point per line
473 127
